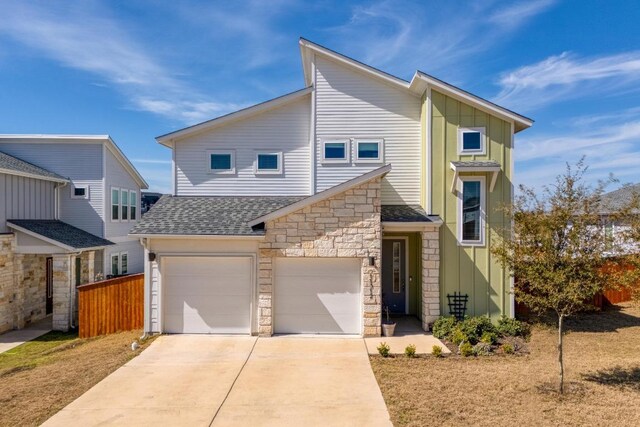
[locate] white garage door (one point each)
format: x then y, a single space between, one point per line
317 296
207 295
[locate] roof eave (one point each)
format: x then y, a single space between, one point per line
199 236
35 176
52 241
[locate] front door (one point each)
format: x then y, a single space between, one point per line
394 272
49 286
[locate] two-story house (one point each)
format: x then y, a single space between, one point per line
314 212
67 204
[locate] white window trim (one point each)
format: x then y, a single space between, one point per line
86 191
380 142
483 198
119 204
231 171
269 171
119 256
483 141
137 205
347 151
124 190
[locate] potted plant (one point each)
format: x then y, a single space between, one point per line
388 327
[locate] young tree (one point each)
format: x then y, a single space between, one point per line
557 249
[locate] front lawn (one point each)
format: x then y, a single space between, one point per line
42 376
602 363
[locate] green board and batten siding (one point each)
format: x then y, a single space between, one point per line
470 269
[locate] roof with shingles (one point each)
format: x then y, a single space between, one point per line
619 198
209 215
61 232
476 164
10 164
405 213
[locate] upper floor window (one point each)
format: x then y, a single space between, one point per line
269 163
115 204
80 192
335 151
471 141
133 204
471 211
222 161
125 204
369 151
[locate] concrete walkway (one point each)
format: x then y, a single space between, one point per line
236 381
12 339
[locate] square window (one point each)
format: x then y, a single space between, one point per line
221 162
80 192
471 141
269 163
369 151
335 151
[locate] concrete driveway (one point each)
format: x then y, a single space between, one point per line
228 381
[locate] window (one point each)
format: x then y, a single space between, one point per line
269 163
222 162
133 204
397 261
80 192
335 151
125 205
471 141
119 263
115 204
369 151
471 211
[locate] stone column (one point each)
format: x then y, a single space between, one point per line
430 276
91 267
62 280
265 288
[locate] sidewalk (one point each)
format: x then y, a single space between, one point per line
12 339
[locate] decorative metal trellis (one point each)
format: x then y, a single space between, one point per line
458 304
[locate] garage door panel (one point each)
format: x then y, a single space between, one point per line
207 294
317 295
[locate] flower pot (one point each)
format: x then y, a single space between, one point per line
388 329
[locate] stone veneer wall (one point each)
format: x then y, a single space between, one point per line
345 225
7 292
430 276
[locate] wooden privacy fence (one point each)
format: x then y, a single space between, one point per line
111 306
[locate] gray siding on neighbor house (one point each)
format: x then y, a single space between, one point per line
25 198
350 104
285 129
135 253
82 164
117 177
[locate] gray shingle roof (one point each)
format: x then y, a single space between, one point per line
405 213
619 198
61 232
13 164
209 215
476 164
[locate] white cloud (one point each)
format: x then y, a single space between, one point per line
83 36
568 76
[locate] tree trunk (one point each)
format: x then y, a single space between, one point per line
560 359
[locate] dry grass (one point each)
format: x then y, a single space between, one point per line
602 370
40 377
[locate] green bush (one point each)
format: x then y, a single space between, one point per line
507 348
458 336
410 351
474 327
436 350
466 349
489 338
482 349
384 349
508 327
443 327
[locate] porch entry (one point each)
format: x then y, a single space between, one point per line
394 275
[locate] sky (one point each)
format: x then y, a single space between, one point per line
139 69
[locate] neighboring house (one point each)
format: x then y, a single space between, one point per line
311 212
615 230
68 203
148 199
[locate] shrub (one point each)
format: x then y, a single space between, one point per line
474 327
384 349
489 338
508 327
410 351
436 350
458 336
482 349
507 348
443 327
466 349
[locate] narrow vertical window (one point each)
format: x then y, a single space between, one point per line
115 261
115 204
124 263
133 205
396 263
471 209
125 205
